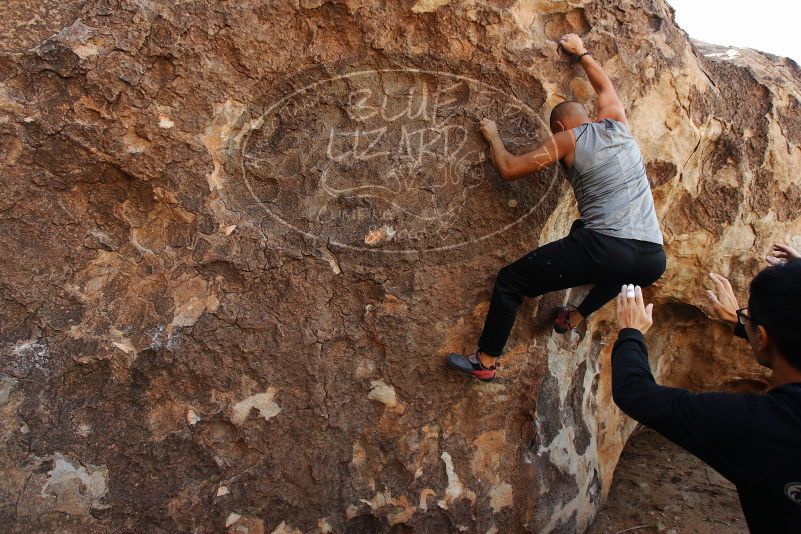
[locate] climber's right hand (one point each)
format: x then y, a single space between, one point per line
572 43
722 299
781 254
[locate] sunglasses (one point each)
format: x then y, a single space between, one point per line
742 316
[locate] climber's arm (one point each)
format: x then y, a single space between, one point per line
719 428
512 167
608 105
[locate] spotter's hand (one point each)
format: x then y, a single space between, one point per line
722 299
782 254
488 129
632 311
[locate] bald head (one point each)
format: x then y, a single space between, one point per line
568 115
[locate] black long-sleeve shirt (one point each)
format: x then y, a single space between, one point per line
753 440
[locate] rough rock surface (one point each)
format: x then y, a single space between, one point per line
239 237
660 487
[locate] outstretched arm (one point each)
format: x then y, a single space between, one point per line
719 428
512 167
608 105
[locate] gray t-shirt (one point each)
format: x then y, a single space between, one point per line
608 178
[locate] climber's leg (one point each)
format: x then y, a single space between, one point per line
631 262
557 265
600 294
650 267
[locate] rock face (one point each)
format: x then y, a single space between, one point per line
239 237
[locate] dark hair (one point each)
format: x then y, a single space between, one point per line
775 303
566 109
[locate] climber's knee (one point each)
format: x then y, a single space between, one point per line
504 277
506 285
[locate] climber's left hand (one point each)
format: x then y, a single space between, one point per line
488 129
632 311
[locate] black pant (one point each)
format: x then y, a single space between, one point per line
583 257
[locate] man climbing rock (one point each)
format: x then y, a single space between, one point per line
616 239
752 440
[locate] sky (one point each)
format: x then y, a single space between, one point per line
766 25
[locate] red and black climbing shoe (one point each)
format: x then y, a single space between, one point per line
470 365
561 324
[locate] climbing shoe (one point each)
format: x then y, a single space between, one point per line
470 365
561 324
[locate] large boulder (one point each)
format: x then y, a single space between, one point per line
239 237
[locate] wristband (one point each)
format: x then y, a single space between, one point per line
578 58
